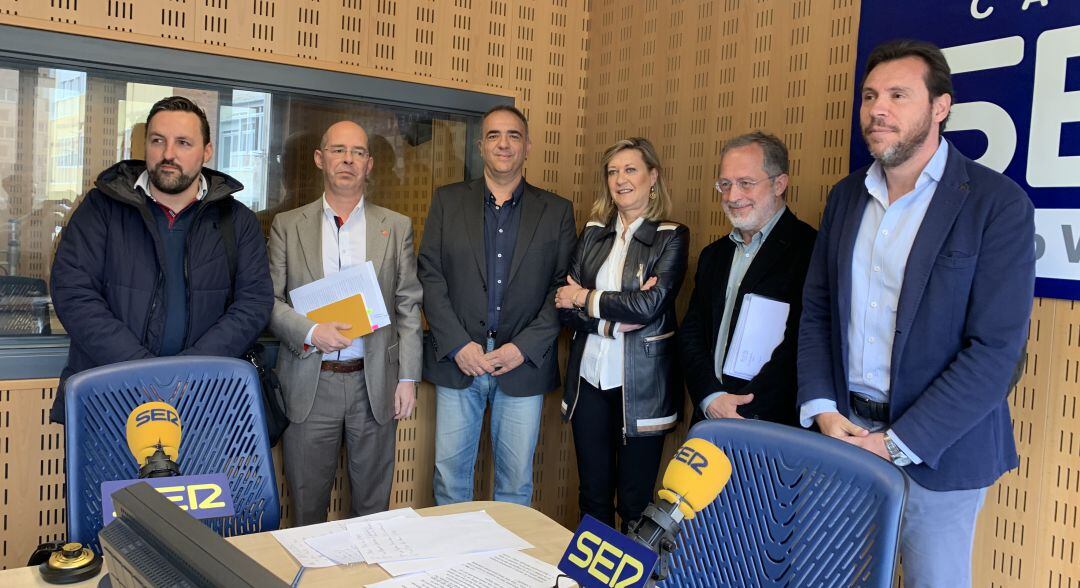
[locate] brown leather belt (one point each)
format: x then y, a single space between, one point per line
343 367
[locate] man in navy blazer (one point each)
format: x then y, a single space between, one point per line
915 310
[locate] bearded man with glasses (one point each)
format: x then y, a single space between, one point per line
766 254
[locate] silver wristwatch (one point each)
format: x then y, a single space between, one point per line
898 457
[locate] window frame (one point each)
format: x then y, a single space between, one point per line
44 356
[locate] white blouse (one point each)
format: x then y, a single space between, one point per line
602 361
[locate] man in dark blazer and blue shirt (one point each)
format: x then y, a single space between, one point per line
494 251
766 253
916 311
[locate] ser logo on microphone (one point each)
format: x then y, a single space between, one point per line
692 458
156 414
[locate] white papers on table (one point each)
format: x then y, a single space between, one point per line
295 539
358 279
505 570
430 564
442 536
760 329
336 547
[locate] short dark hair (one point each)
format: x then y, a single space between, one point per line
181 104
507 108
938 76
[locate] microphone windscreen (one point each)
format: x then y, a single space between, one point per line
150 424
697 473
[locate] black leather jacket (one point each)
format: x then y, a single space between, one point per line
652 388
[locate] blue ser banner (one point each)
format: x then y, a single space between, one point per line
1016 77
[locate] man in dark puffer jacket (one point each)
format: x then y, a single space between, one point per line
141 269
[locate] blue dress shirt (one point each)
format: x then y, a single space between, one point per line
500 236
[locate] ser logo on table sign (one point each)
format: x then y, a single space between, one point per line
194 496
202 496
599 556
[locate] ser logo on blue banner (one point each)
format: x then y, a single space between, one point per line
599 556
1016 75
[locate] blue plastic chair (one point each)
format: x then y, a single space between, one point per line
801 509
219 402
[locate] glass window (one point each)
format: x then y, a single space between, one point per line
60 128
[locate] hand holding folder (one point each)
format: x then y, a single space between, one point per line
350 296
351 310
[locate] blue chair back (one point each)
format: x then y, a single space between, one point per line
219 402
801 509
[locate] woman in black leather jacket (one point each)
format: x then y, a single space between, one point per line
622 392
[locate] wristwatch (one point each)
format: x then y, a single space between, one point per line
897 456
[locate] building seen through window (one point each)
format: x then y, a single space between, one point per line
60 128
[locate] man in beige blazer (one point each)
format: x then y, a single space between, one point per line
334 384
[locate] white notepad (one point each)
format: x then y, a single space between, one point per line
760 329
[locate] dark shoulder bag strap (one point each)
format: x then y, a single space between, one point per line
273 402
228 238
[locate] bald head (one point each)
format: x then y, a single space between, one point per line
344 160
341 128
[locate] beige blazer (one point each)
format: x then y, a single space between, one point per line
391 353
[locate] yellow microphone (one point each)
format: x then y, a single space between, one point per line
153 436
697 473
695 476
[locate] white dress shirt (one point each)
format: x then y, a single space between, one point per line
343 248
602 361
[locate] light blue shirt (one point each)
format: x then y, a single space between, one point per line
741 260
878 261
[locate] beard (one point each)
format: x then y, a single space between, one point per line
901 151
174 183
757 216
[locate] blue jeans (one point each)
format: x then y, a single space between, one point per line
938 531
938 535
515 426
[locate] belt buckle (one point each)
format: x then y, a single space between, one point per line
491 333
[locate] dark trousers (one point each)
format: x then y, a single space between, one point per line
608 468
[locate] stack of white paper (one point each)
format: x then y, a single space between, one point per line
298 540
431 537
358 279
760 329
466 549
505 570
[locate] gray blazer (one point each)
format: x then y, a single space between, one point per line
391 353
453 270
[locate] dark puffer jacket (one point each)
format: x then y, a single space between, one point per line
107 278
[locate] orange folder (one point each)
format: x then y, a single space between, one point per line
351 310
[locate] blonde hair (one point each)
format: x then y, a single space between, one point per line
604 209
